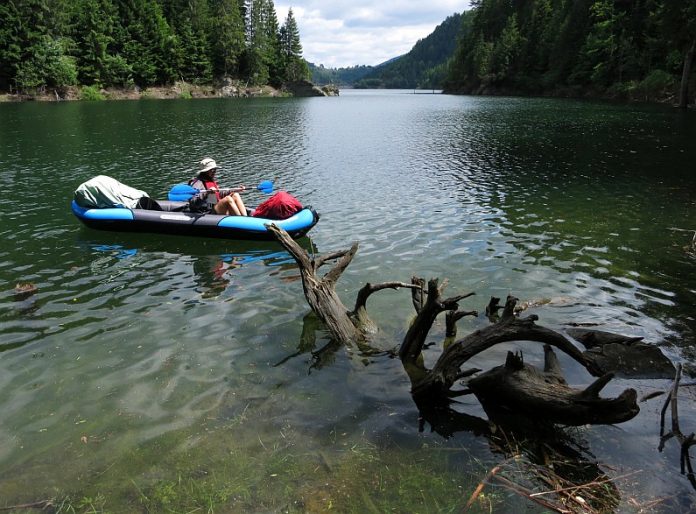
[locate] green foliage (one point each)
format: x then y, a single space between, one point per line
227 37
92 29
263 61
341 76
294 67
617 49
10 43
57 43
369 83
91 93
657 85
32 51
47 66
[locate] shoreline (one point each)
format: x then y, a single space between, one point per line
179 90
176 91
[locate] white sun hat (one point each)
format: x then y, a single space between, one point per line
206 165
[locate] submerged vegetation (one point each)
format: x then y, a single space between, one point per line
227 471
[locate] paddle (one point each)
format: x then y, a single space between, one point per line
184 192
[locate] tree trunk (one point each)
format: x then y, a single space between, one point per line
518 388
686 73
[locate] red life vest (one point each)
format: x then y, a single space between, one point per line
207 184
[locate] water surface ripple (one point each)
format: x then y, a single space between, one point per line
585 209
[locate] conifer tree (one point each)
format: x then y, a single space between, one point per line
54 43
271 51
146 42
11 44
32 51
294 66
92 30
190 21
262 57
227 37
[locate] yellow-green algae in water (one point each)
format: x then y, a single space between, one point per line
219 472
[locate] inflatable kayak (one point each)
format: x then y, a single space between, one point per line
172 219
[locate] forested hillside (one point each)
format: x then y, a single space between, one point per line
425 66
339 76
639 49
125 43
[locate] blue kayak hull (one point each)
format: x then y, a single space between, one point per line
172 220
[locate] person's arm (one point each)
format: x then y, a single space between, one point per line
228 191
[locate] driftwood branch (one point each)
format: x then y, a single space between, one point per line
444 373
368 289
320 261
685 442
516 387
414 340
519 387
333 275
625 356
359 314
451 319
418 295
320 292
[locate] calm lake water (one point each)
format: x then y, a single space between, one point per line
164 374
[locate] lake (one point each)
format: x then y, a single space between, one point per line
146 373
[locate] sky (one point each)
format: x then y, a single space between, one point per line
343 33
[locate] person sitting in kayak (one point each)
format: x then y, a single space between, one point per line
223 201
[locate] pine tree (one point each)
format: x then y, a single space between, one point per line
93 28
262 57
191 23
271 52
227 37
32 50
10 44
294 66
146 42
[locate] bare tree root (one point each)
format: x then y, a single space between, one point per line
685 442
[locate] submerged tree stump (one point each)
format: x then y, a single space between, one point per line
514 387
627 357
546 393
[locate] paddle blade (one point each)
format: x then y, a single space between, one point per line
265 187
182 193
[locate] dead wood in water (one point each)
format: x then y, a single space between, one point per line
625 356
524 404
514 387
685 442
546 393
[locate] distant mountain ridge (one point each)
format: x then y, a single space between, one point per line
424 66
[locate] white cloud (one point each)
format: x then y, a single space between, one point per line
350 32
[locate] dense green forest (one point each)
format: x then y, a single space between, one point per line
638 49
340 76
126 43
425 66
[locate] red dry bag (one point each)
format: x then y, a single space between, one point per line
280 206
